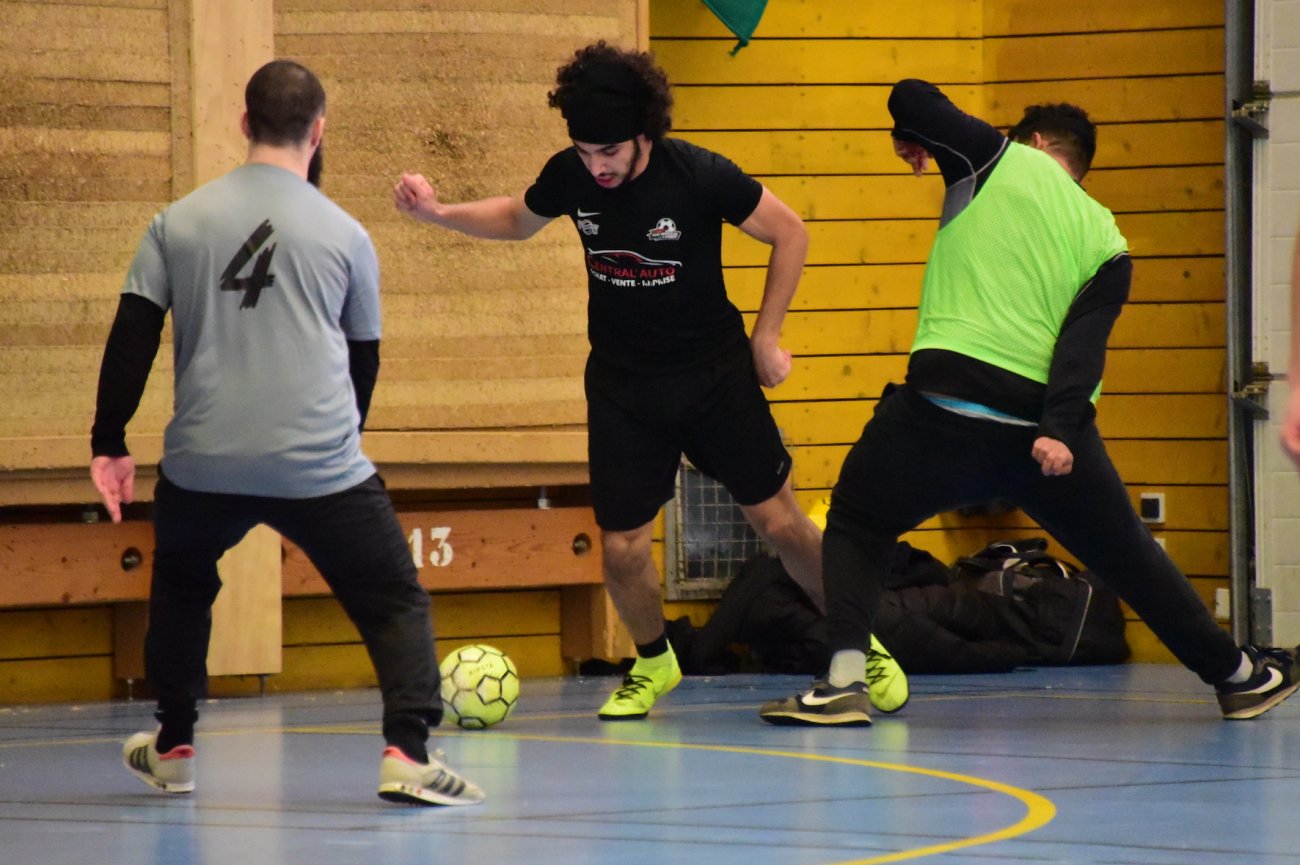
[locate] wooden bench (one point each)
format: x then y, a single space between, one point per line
459 546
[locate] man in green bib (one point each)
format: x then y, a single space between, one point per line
1025 280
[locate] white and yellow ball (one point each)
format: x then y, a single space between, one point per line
479 686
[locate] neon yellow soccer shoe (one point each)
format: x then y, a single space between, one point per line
647 681
886 681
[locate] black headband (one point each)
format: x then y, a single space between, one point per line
603 106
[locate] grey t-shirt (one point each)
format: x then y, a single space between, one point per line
267 280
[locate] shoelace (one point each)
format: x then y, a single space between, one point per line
1282 657
876 670
632 684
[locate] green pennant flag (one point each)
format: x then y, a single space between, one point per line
740 16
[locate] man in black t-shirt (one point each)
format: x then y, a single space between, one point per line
671 370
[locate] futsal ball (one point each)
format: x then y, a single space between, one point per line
479 686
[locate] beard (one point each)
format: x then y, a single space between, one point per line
636 159
316 165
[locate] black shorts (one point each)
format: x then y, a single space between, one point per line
640 424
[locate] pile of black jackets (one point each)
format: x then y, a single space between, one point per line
1009 605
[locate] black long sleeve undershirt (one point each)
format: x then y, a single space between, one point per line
1080 354
363 366
967 150
129 355
124 372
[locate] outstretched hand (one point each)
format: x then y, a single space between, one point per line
1054 456
114 477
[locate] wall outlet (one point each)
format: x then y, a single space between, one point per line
1222 605
1161 541
1151 507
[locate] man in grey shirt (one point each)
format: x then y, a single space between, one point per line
274 295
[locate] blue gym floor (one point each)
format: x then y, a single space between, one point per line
1128 764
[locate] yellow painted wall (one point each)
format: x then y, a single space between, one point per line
803 109
60 655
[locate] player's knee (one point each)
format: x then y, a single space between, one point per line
784 527
624 554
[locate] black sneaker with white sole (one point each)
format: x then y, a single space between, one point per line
1272 681
822 705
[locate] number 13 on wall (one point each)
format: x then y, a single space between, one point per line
440 550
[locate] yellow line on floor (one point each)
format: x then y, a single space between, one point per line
1039 810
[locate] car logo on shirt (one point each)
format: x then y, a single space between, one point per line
586 226
665 229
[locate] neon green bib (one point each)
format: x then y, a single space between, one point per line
1003 273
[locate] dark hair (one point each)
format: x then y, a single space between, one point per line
1066 126
283 99
635 70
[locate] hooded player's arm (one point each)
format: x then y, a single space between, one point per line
962 145
1080 354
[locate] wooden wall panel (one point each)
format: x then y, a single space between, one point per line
1034 18
86 99
821 61
478 334
826 19
97 132
807 153
1120 416
1137 52
55 655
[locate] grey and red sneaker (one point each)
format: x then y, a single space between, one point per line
172 772
403 780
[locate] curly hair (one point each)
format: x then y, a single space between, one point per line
1068 126
647 83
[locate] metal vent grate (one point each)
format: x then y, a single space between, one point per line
707 538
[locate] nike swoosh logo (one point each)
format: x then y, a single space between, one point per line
814 700
582 212
1274 679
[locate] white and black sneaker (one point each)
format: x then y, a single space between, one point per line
822 705
1272 680
401 779
172 772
